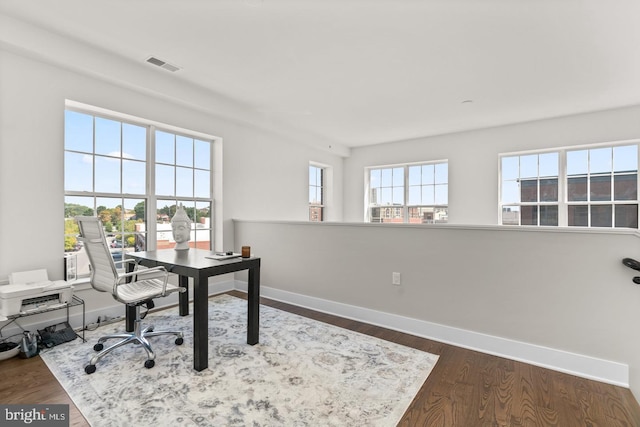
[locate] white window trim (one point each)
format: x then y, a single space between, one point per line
405 206
562 178
215 183
327 186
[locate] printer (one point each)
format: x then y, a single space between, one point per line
31 291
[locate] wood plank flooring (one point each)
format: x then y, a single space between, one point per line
465 388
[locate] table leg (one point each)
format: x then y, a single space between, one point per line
183 297
200 322
129 312
253 306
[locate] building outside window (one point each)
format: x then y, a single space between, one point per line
585 187
110 172
530 189
316 193
410 193
602 187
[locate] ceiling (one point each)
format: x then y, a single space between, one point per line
365 72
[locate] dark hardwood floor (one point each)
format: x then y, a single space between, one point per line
465 388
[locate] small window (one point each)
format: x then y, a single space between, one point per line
411 193
316 193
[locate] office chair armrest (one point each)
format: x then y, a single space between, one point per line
126 261
146 271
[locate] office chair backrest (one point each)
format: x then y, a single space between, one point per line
103 270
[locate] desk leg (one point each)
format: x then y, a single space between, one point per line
183 297
253 308
200 322
129 312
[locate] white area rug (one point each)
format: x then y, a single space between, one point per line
302 373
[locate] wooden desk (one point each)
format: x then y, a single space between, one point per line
195 264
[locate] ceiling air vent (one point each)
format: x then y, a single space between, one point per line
162 64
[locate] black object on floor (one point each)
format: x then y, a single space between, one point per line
56 334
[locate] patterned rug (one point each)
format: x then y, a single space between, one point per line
302 373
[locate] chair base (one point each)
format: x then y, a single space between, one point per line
138 336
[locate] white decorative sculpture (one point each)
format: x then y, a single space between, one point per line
181 226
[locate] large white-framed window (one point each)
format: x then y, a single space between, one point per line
586 186
416 193
317 187
132 174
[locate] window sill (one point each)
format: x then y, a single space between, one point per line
504 228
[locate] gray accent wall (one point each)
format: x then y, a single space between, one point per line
555 298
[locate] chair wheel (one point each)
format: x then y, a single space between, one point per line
179 341
98 347
90 369
149 364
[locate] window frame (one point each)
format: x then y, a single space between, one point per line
149 196
405 208
539 203
154 197
563 202
322 188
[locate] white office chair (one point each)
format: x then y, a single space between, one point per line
133 289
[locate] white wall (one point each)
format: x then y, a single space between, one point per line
473 158
264 175
557 298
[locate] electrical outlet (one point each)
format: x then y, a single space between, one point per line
395 279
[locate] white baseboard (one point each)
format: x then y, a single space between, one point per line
559 360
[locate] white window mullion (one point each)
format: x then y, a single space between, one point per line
611 190
121 161
406 195
152 201
212 207
93 159
638 186
563 207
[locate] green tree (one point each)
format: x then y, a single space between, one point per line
202 213
116 217
139 210
190 213
104 215
72 209
71 232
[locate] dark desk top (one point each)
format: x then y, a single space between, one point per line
188 261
